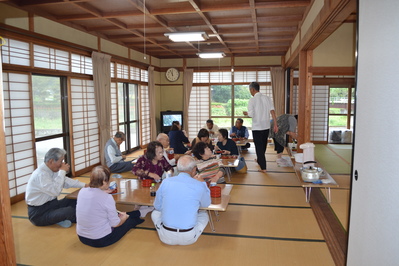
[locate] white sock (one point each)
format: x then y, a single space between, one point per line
145 209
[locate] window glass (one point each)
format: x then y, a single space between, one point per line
47 105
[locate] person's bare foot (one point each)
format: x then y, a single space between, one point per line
263 171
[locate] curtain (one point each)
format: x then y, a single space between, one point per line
102 89
187 86
277 75
151 94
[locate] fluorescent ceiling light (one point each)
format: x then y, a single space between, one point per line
211 55
187 36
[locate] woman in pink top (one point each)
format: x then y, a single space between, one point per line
99 224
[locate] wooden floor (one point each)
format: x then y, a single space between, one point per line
267 222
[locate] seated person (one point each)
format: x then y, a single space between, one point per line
240 131
177 138
207 165
152 164
177 217
203 136
226 145
45 185
212 128
164 140
113 156
99 224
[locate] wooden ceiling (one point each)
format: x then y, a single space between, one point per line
235 27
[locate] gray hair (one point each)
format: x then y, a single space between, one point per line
161 136
186 163
120 135
55 154
254 85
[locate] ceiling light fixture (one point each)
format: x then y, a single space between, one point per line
211 55
187 36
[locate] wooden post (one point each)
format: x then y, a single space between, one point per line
7 248
304 97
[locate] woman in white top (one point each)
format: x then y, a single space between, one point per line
99 224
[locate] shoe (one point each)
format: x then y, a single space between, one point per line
281 160
145 209
65 224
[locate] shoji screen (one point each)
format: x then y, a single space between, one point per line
198 110
18 129
85 135
145 130
114 108
319 130
319 124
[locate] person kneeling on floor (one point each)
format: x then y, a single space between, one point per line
177 217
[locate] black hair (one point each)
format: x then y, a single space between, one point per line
174 126
224 133
199 149
209 121
203 133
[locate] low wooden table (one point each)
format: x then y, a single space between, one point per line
328 182
227 164
241 143
131 192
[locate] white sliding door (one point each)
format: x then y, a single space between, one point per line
374 214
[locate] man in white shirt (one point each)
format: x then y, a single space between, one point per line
164 139
212 128
45 185
114 159
260 107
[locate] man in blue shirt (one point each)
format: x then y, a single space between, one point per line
177 217
240 131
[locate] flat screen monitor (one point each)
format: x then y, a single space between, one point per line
167 118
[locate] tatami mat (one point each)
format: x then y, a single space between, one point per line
265 195
267 222
60 246
270 178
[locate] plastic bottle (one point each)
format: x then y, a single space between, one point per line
152 190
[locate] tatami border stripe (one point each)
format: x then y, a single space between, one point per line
253 237
260 185
271 206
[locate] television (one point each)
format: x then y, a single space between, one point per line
167 118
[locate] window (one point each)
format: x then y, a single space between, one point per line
225 97
50 114
341 108
128 115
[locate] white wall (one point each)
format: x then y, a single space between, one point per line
374 214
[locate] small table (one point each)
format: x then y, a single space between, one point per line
327 180
241 143
230 163
131 192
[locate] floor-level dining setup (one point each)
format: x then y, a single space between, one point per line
260 219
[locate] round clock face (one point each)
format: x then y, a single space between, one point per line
172 74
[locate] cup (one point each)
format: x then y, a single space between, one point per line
146 182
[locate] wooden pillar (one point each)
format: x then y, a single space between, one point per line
304 97
7 249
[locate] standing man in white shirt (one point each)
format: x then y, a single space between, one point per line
45 185
260 107
114 158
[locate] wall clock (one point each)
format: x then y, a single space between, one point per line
172 74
